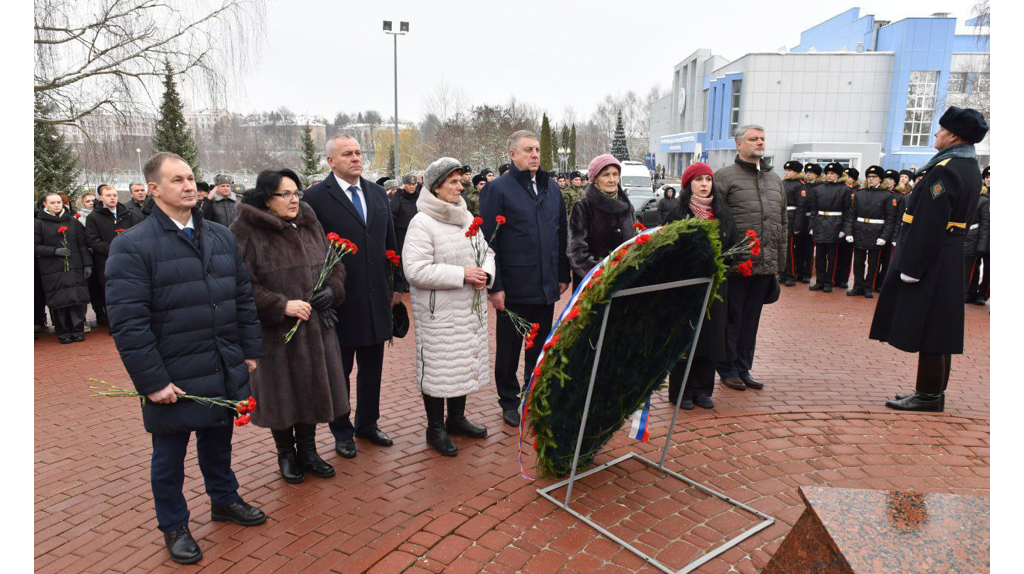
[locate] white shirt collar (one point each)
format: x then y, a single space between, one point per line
180 226
344 185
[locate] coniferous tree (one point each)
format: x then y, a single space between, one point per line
172 133
55 164
554 150
391 164
619 148
310 159
545 144
572 148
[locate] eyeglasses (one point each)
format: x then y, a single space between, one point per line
289 196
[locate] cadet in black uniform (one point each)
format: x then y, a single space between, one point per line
803 243
976 248
829 202
902 185
921 308
844 256
796 198
868 226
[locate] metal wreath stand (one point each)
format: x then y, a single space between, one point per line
546 492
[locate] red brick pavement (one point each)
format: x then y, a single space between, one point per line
819 421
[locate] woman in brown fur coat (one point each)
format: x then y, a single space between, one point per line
301 383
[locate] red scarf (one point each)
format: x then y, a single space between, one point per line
701 207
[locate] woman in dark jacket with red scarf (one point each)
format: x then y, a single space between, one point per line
699 198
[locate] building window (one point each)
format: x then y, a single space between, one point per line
704 115
917 122
980 82
734 118
958 82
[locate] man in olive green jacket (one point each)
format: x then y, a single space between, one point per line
757 200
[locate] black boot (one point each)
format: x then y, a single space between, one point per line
457 423
437 437
182 546
286 459
921 402
309 460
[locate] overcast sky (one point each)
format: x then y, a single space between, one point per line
325 56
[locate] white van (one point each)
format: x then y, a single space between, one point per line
636 179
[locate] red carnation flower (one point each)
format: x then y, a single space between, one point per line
639 226
573 313
755 247
478 221
62 229
751 234
642 239
500 219
745 268
119 230
78 216
333 237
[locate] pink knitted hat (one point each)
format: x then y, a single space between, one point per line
600 162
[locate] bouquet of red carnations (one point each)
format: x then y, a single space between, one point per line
242 408
480 255
337 247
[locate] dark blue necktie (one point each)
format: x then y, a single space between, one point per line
188 232
355 201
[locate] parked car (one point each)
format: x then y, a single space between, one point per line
645 205
636 177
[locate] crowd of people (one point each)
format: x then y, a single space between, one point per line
250 261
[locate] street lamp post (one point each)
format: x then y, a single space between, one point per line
138 154
403 29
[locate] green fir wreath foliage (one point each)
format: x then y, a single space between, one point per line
646 335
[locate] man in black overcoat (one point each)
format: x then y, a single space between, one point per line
921 308
358 210
111 219
532 264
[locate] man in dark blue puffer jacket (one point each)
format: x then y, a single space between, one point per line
183 318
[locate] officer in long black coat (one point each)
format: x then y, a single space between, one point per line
829 203
868 226
921 308
803 241
844 252
976 248
796 196
357 209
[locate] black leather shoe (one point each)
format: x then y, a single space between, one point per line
346 448
901 396
65 339
843 285
816 287
686 404
511 417
309 460
854 292
734 383
868 294
77 338
704 402
438 438
920 402
182 546
789 282
240 512
980 302
291 472
805 279
828 288
377 437
464 427
751 382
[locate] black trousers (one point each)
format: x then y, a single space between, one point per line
865 277
97 296
825 262
883 262
844 261
933 373
700 382
39 300
69 320
746 298
803 253
371 364
977 274
790 270
510 343
167 472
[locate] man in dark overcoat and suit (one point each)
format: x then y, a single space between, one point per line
184 320
532 263
921 308
358 210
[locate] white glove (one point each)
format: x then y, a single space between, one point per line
842 234
879 241
811 232
907 279
894 244
849 238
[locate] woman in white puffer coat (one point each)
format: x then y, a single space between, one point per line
451 341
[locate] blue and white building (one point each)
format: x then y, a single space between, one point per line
856 90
